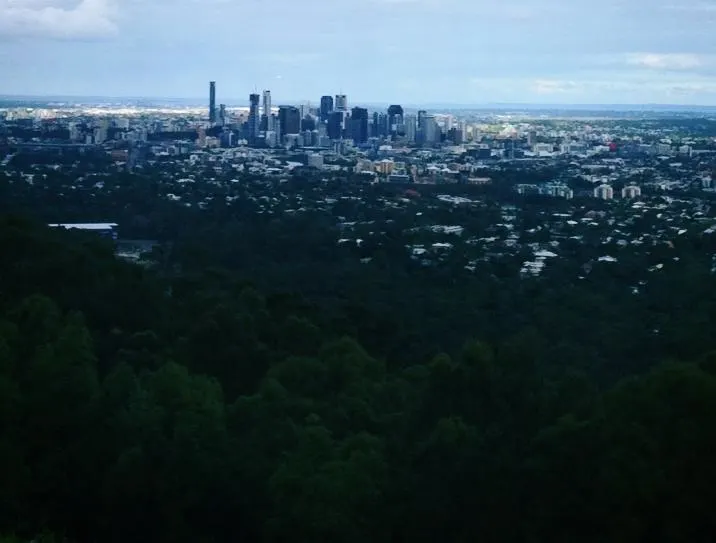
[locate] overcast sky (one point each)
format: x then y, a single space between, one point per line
406 51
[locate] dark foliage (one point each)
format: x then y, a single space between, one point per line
279 393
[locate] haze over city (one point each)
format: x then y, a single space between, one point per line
379 51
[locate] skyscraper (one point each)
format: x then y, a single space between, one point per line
326 107
420 134
335 125
359 124
341 102
383 127
212 101
266 118
431 130
421 117
308 123
411 127
289 118
254 117
395 119
267 103
222 114
604 192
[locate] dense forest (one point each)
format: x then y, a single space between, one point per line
210 400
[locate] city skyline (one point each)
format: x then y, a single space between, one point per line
243 102
413 51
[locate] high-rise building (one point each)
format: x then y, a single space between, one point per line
421 118
308 123
254 117
359 124
222 114
101 131
276 128
212 101
267 103
289 118
326 107
395 119
335 125
266 114
411 127
604 192
631 191
383 126
341 102
431 130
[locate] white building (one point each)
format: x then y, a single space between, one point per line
315 160
631 192
558 190
604 192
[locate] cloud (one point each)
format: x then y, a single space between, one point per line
58 19
668 61
550 86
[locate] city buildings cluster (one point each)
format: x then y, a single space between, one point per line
555 155
326 125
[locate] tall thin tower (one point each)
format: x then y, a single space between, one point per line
212 101
267 103
267 111
254 117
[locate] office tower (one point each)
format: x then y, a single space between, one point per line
383 126
276 127
75 131
395 118
101 131
335 125
212 101
421 118
222 114
374 125
266 112
449 123
254 118
509 149
431 130
411 127
341 102
267 103
289 118
326 107
308 123
359 124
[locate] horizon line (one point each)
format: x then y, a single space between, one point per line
478 105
